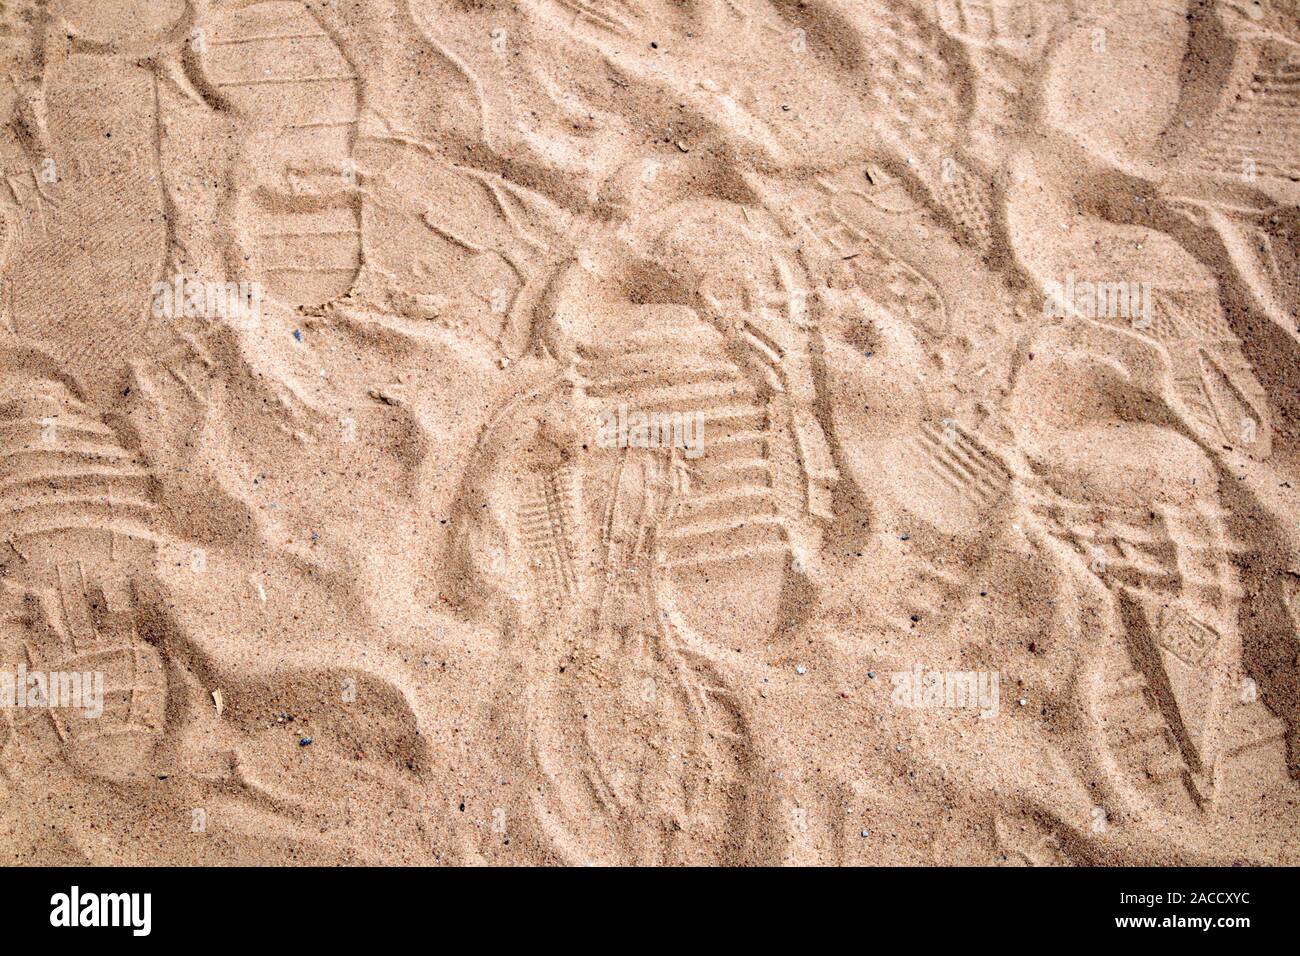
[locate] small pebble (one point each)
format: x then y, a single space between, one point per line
297 334
800 669
865 834
304 742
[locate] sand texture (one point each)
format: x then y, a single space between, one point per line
650 431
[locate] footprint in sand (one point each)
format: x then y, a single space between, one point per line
1161 693
296 212
80 545
638 723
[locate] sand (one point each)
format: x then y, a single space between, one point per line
647 432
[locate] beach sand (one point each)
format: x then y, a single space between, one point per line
711 432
